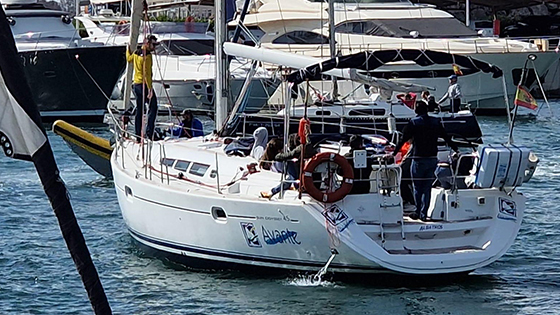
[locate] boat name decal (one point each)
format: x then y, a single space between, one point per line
251 235
431 227
508 210
285 217
337 217
273 237
269 218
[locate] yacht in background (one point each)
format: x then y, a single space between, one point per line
70 78
184 71
301 27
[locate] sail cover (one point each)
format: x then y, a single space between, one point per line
369 61
23 137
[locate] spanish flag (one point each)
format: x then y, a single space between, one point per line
457 70
524 98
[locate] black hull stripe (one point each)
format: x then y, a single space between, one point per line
88 143
171 206
187 209
245 257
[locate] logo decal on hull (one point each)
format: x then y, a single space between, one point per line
508 210
337 218
273 237
251 235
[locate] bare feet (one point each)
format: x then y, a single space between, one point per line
266 194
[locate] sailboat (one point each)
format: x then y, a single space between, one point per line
190 201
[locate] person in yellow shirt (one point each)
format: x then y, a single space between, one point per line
143 89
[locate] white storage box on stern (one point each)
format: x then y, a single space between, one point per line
502 166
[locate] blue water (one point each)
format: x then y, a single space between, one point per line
37 275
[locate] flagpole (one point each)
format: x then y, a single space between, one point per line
542 89
521 80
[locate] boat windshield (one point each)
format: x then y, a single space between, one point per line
186 47
157 27
178 27
411 28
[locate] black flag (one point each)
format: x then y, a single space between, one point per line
23 137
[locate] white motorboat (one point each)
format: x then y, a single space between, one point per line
190 201
301 27
185 63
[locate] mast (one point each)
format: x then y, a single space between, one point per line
220 93
468 13
135 18
332 44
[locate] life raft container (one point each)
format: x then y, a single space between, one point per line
328 196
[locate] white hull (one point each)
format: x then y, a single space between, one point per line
482 91
180 217
188 82
200 94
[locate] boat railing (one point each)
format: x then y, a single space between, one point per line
121 133
455 172
66 37
341 123
465 45
387 178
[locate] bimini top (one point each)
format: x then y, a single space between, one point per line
370 61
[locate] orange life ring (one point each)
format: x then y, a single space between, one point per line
315 192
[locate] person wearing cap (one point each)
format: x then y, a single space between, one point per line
453 94
192 127
141 59
424 132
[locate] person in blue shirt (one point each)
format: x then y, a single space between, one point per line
423 131
192 127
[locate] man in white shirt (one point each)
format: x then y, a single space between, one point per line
453 94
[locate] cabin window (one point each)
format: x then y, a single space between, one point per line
301 37
426 27
219 214
187 47
182 165
367 112
167 162
198 169
361 1
323 113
